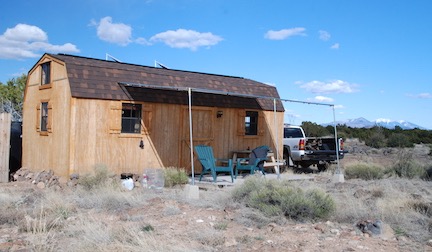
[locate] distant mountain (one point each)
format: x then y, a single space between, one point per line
364 123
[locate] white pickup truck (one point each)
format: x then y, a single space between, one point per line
306 151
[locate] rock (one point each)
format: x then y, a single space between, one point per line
372 228
74 176
41 185
230 242
320 227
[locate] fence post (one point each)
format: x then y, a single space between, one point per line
5 132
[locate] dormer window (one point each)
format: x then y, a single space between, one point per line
46 73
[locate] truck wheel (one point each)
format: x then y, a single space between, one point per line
285 167
322 166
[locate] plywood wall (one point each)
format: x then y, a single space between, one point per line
5 133
47 151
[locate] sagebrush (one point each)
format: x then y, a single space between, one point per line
273 197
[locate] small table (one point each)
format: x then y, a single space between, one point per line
242 153
272 162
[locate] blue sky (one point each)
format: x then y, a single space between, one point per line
372 59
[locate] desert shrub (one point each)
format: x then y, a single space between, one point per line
399 140
272 197
407 167
98 179
175 176
422 207
364 171
376 139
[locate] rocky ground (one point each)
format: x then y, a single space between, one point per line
177 223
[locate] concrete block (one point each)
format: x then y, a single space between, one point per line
191 191
338 178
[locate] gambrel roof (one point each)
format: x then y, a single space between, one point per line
102 79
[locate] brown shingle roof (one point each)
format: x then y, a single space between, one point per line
100 79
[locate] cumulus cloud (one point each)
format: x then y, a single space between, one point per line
335 46
29 41
285 33
321 98
324 35
116 33
334 87
182 38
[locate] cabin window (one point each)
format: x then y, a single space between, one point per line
44 117
251 123
131 118
46 73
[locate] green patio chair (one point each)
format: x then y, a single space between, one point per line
210 163
255 161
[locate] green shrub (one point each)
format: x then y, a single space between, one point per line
399 140
273 197
407 167
175 176
376 139
364 171
96 180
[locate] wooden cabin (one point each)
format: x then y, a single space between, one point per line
82 112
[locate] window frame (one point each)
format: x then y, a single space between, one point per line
132 117
44 115
45 73
44 84
251 120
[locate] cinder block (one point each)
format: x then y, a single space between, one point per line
191 191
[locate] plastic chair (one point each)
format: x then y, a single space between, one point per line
209 163
255 162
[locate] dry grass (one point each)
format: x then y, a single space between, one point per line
107 218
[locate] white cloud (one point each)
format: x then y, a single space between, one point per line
285 33
142 41
116 33
423 96
25 33
336 86
321 98
324 35
335 46
339 106
182 38
28 41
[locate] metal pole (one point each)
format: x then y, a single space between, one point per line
338 171
190 135
276 138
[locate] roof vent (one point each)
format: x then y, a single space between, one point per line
161 65
107 56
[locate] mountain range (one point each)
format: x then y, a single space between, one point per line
364 123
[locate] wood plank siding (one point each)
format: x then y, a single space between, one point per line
84 105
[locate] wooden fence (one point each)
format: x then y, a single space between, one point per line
5 132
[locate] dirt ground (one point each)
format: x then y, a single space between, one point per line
182 224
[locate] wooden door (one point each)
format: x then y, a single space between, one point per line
202 133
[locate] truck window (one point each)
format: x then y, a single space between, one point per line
292 133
